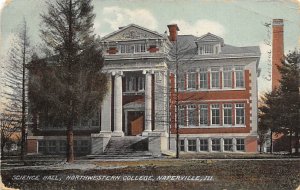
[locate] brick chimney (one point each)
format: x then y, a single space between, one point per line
173 28
277 51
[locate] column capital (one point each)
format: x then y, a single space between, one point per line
117 73
148 72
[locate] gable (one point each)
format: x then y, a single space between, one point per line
132 32
210 38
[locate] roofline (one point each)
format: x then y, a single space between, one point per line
124 28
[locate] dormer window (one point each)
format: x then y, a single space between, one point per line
206 49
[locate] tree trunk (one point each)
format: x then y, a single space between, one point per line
297 142
291 144
70 144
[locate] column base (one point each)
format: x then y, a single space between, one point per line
146 133
117 134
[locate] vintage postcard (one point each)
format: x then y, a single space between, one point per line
152 94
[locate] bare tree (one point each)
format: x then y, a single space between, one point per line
15 80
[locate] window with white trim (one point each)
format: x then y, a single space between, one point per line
191 145
141 83
133 48
192 115
203 114
206 49
227 114
52 146
203 144
181 145
240 114
228 145
203 78
239 77
215 77
216 145
130 84
42 146
227 77
215 114
181 115
192 78
240 144
181 81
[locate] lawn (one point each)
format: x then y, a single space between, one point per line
159 174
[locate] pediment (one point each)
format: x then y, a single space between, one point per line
210 38
132 32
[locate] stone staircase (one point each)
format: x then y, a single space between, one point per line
128 147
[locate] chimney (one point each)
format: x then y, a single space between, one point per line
173 28
277 51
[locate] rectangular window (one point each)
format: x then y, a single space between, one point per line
192 115
52 146
42 146
228 146
181 115
191 145
216 144
181 81
137 48
240 114
203 78
62 146
203 114
122 47
141 83
227 77
239 77
130 84
192 78
215 114
181 145
240 144
143 48
227 111
203 145
83 146
206 49
215 77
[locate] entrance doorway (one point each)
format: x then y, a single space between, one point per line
135 123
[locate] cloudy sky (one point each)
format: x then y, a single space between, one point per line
239 22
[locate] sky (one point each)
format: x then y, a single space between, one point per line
239 22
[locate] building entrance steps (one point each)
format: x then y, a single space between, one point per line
126 147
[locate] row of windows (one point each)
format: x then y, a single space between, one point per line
215 144
207 49
60 146
198 115
194 79
134 48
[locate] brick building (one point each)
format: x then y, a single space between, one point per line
217 95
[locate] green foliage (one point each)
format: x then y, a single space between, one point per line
69 83
280 108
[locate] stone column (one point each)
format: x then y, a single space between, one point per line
234 144
209 145
106 109
197 145
148 104
118 108
222 144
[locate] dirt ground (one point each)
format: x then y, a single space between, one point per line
157 174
